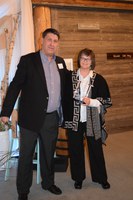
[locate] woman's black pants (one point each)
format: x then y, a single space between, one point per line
77 156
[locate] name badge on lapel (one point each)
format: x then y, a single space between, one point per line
60 65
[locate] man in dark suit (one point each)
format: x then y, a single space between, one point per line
39 81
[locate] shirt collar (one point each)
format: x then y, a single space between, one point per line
45 58
90 75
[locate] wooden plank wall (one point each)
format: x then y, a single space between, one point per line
113 33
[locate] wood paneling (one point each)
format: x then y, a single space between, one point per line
122 5
115 34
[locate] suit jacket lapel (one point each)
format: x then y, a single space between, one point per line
39 66
61 72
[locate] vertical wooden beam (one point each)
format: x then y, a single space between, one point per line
42 20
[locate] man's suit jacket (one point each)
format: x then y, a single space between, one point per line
30 82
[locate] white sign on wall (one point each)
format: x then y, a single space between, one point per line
69 63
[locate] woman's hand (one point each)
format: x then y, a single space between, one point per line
86 101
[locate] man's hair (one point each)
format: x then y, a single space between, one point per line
51 30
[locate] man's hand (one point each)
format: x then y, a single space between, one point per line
4 119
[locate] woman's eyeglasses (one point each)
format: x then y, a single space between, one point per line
85 59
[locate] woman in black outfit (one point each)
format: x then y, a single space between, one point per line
88 97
